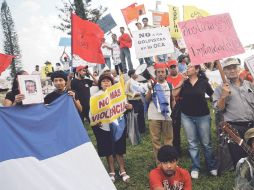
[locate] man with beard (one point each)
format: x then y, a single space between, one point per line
168 175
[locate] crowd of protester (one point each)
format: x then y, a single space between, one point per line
175 98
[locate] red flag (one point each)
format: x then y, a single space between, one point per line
141 9
130 13
5 61
86 40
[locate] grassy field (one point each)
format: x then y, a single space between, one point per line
139 161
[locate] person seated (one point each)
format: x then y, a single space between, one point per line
168 175
245 167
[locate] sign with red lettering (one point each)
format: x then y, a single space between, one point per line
210 38
108 106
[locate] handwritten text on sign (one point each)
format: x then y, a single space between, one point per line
150 42
210 38
109 106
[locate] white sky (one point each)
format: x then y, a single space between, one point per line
38 40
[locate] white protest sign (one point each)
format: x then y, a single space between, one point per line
150 42
250 64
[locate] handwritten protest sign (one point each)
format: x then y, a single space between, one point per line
250 64
150 42
107 23
210 38
109 106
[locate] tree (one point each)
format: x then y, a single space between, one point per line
83 8
11 46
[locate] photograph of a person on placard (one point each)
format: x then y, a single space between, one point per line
30 87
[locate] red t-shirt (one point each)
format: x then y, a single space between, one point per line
125 41
245 75
175 80
180 181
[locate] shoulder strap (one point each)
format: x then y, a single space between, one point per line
170 86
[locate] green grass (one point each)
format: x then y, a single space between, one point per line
139 161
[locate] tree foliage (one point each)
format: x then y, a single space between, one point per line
11 46
83 8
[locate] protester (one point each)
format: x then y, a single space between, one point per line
235 100
134 98
58 67
244 179
182 63
115 75
106 51
107 145
245 74
37 70
196 120
66 62
116 54
125 42
168 175
60 79
176 79
81 85
14 97
160 101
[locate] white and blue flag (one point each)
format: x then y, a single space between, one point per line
45 147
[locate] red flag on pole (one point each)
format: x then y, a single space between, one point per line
130 13
5 61
86 40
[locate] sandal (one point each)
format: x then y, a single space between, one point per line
124 176
112 176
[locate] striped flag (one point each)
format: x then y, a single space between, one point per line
47 147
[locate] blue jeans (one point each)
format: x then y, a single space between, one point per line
125 53
107 62
149 61
197 130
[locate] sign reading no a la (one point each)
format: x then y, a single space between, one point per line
151 42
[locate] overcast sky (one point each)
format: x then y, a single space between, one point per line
34 21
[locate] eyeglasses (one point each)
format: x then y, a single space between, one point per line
172 66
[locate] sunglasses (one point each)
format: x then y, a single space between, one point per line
172 66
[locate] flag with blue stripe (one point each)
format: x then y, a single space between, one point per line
46 147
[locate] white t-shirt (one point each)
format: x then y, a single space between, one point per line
153 112
105 51
116 53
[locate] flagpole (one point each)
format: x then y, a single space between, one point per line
71 41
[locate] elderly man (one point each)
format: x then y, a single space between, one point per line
235 100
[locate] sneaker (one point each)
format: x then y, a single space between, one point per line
194 174
214 172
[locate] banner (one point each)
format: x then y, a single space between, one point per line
109 106
210 38
5 61
192 12
154 41
174 16
86 40
107 23
160 18
47 147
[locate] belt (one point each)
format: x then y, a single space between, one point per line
242 123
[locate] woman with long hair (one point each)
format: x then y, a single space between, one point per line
195 118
